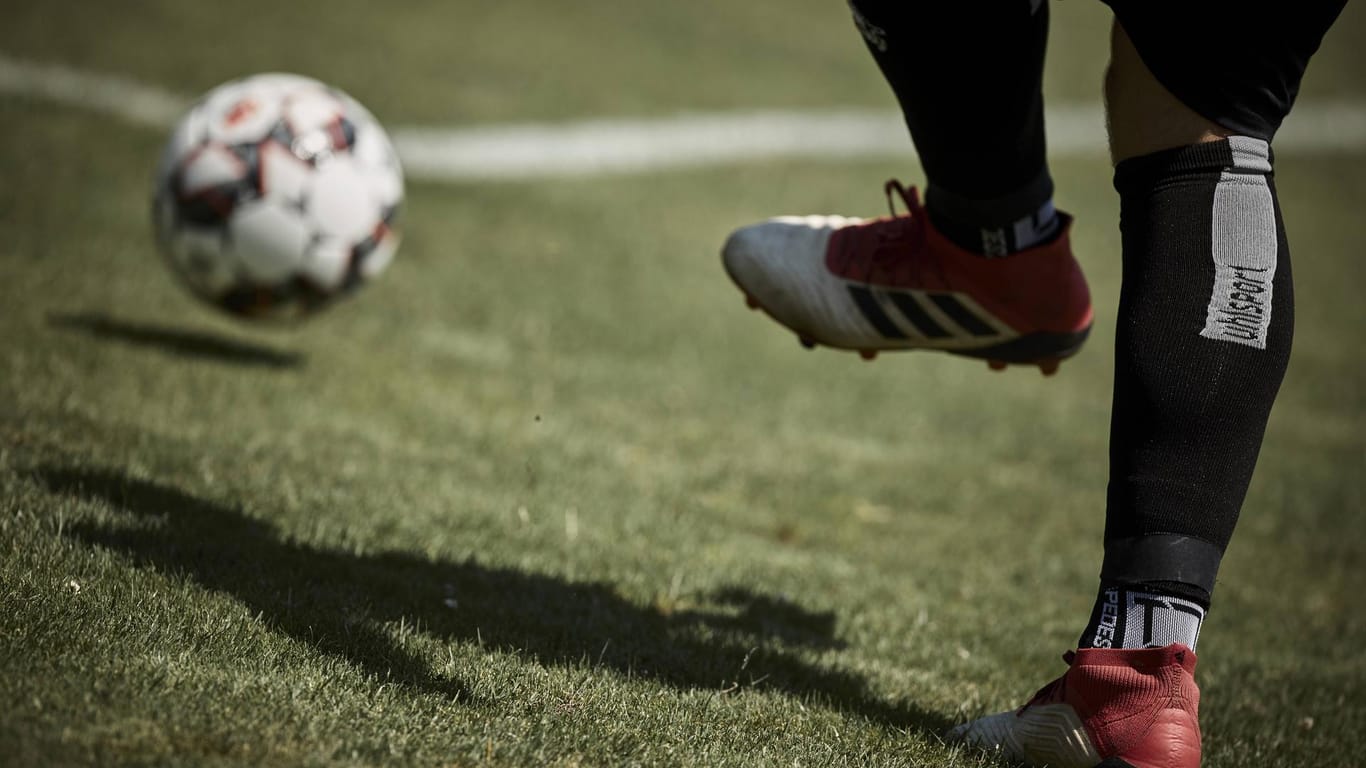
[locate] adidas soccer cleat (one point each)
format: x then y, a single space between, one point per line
1112 709
896 283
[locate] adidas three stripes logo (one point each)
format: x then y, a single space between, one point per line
935 316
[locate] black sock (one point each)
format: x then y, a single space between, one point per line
968 76
1206 317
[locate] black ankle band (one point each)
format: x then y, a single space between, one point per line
996 212
1161 557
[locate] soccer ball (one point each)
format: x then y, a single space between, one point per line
276 195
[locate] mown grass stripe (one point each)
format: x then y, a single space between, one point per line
604 146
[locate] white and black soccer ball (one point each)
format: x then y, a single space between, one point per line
276 195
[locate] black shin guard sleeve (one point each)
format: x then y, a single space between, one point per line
968 76
1206 317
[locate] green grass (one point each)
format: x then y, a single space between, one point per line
546 493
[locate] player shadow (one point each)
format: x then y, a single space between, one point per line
193 344
338 601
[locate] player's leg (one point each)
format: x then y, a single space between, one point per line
1203 338
1205 324
969 78
985 269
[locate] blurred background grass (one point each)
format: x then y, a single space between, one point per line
546 493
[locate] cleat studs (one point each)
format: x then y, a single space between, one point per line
996 365
1049 366
868 354
751 302
805 342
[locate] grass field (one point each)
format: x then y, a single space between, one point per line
546 494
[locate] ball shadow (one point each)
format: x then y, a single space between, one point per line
183 343
338 602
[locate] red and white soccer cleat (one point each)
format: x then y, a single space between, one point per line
1112 709
896 283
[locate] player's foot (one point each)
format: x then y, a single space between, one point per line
1112 709
897 283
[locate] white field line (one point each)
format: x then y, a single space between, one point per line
611 146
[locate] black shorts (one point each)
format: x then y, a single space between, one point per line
1237 64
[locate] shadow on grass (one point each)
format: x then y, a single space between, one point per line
336 600
196 344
